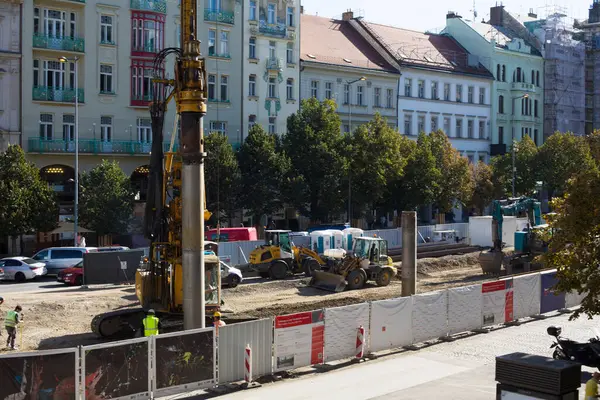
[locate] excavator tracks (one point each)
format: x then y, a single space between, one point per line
118 324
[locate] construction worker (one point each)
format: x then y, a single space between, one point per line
217 322
591 387
10 323
151 324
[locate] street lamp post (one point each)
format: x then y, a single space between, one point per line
362 78
76 203
514 155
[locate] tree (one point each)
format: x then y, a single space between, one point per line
562 156
222 176
593 141
314 144
374 159
574 249
263 169
27 203
106 199
483 187
526 175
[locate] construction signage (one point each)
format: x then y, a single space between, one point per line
497 302
299 340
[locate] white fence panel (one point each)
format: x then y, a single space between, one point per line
391 323
464 309
526 295
573 299
341 329
233 250
393 236
424 232
430 316
461 228
232 341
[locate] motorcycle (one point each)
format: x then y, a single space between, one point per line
587 354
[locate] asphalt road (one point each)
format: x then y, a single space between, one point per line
460 370
42 284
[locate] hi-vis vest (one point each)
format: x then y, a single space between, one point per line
11 319
150 326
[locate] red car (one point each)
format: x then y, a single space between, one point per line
73 275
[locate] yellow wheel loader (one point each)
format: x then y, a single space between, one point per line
368 261
278 257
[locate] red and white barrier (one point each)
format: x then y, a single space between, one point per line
340 331
248 364
360 342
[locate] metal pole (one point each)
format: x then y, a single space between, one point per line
514 167
201 194
349 168
75 208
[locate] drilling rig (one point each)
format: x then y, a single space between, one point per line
179 280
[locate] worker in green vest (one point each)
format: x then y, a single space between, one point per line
10 323
151 323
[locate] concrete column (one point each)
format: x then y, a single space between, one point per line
409 253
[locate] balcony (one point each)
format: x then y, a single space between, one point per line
159 6
140 101
59 95
145 48
274 64
41 41
213 53
93 146
524 87
278 29
218 15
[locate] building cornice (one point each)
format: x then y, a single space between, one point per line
348 69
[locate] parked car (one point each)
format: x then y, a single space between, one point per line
21 269
1 274
59 258
72 276
230 276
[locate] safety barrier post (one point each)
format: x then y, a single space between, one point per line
248 365
360 342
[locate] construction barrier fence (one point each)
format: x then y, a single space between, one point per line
184 361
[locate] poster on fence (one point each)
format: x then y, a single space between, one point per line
38 375
117 370
184 358
551 301
497 302
299 340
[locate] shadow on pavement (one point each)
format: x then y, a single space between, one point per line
61 342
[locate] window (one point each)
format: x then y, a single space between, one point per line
290 16
66 254
224 44
218 127
346 94
498 73
252 85
407 87
482 130
212 42
481 95
54 74
519 75
272 49
447 126
434 90
314 89
106 78
346 128
271 13
224 91
390 98
504 73
148 33
251 121
482 159
328 90
252 48
407 124
458 93
535 108
420 124
272 125
144 130
470 94
535 136
501 104
105 128
36 73
290 53
500 135
359 95
421 87
377 97
72 75
470 128
290 89
470 157
252 10
434 123
212 87
458 132
106 29
178 35
446 91
68 127
272 93
46 126
537 79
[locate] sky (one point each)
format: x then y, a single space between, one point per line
430 15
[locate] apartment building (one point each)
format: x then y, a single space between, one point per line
10 73
507 49
337 63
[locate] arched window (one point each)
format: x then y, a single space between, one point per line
504 73
501 104
498 74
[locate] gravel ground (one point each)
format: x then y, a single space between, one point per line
62 318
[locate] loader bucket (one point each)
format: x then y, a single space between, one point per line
328 281
491 262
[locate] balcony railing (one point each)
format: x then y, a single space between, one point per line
523 87
159 6
93 146
64 95
274 64
146 48
213 53
41 41
140 100
218 15
278 29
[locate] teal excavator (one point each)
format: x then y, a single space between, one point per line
528 243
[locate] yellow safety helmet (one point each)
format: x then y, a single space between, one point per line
217 314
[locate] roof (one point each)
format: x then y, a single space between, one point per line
425 50
330 41
502 35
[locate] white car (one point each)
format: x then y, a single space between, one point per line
21 269
230 276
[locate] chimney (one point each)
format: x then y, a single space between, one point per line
348 15
301 9
452 14
531 14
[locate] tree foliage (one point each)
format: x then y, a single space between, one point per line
314 144
526 175
593 141
263 170
222 176
106 199
27 203
483 188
